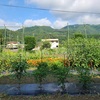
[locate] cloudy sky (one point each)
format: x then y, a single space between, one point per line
16 16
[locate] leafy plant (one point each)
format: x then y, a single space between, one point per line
46 45
84 76
30 43
61 73
19 67
40 73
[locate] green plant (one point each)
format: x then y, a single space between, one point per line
30 43
40 73
19 67
85 77
46 44
61 73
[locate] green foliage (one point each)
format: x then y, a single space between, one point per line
41 72
78 35
29 43
4 64
1 42
61 73
84 77
46 44
1 38
19 67
84 51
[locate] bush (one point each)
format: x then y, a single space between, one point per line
46 44
19 67
61 73
30 43
84 77
40 73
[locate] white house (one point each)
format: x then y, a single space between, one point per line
54 42
12 45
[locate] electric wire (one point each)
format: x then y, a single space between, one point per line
46 9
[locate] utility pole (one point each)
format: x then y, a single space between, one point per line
67 38
5 36
23 44
68 32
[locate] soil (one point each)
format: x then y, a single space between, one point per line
28 79
52 97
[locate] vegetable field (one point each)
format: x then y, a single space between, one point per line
54 65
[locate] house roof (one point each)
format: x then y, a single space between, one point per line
50 39
12 42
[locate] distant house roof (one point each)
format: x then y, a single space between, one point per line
12 42
12 45
50 40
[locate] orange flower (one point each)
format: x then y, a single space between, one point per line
35 62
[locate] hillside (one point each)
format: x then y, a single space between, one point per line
41 32
47 32
89 29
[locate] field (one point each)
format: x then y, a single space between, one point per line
47 65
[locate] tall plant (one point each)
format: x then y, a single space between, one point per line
19 67
85 78
30 43
40 73
61 73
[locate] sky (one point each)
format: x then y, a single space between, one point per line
15 16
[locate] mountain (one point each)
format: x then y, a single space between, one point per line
83 28
37 29
43 32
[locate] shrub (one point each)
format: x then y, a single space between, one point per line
30 43
40 73
61 73
19 67
84 77
46 44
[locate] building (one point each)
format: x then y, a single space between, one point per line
54 42
12 45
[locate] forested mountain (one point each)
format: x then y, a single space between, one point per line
47 32
41 32
89 29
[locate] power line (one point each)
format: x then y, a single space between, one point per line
63 11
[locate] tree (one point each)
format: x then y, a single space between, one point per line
1 42
1 38
30 43
46 44
78 35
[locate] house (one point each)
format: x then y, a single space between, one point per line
54 42
12 45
